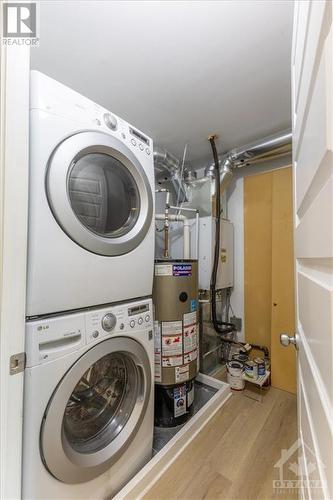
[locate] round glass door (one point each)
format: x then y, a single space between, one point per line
99 193
101 403
96 410
103 195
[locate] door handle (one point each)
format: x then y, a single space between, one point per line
286 340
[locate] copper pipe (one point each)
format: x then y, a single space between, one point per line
166 241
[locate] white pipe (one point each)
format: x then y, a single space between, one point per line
183 209
186 209
167 191
186 230
197 235
186 239
173 217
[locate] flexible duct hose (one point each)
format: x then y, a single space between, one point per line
226 327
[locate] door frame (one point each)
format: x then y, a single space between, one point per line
14 161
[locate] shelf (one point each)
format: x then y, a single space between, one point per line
257 381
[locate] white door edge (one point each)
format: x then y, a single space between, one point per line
14 139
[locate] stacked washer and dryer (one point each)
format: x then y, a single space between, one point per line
88 408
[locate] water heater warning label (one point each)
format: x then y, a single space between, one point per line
172 327
158 352
179 398
182 373
190 338
169 361
172 345
182 269
191 356
163 270
190 318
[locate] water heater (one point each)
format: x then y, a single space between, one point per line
175 297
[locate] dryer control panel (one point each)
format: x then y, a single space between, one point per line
51 338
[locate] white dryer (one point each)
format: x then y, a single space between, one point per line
88 404
91 203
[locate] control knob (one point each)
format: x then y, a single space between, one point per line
110 121
109 322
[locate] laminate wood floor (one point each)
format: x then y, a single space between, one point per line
233 457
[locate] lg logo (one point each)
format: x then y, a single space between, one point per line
19 20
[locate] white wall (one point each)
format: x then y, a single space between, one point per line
235 208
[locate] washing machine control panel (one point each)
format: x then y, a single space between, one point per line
121 319
51 338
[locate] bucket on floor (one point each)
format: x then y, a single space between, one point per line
235 371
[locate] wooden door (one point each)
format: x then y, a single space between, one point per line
312 96
283 361
258 258
269 268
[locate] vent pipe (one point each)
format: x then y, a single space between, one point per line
269 148
166 163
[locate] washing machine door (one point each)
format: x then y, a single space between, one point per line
99 193
96 410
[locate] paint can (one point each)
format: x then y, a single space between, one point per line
241 357
261 366
251 369
267 363
235 371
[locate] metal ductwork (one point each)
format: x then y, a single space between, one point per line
167 165
273 146
263 150
166 159
225 174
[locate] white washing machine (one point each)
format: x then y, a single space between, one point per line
91 203
88 406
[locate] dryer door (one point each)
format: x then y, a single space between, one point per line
96 410
99 193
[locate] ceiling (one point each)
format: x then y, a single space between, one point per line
178 70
